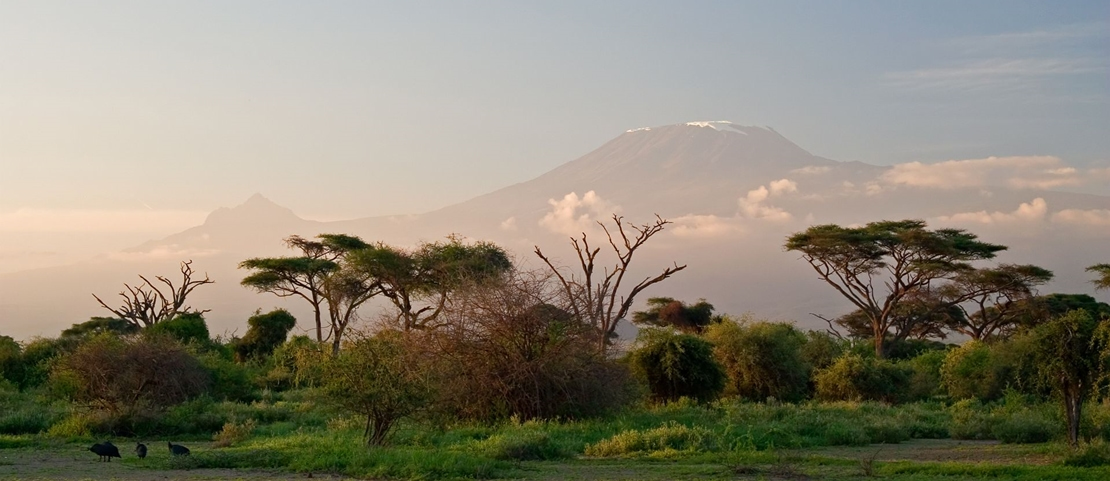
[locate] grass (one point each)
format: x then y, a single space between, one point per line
291 436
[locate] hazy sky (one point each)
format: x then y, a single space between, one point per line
142 116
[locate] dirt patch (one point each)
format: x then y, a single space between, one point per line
942 450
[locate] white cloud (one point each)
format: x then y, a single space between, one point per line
706 226
812 170
754 205
1033 211
509 224
86 221
572 215
1093 217
1026 172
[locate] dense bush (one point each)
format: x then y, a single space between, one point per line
265 333
856 378
663 440
972 371
821 349
10 359
125 378
507 350
187 328
298 362
925 376
762 359
100 325
677 365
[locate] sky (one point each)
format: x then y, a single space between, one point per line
122 121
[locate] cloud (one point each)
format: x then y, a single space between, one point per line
509 224
1025 172
572 215
754 205
1093 217
171 251
86 221
812 170
706 226
996 73
1033 211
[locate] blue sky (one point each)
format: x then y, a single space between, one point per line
345 109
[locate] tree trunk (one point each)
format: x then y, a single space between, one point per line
880 348
1073 405
335 343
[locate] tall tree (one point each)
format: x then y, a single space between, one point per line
318 277
921 315
1103 273
419 283
1071 353
147 304
878 265
994 301
599 301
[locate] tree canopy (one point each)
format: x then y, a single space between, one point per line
1103 273
877 266
667 312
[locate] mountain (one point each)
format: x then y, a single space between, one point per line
733 193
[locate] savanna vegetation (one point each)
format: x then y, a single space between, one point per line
482 369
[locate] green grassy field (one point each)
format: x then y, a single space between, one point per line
727 440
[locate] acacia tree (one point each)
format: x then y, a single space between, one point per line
879 265
999 299
319 276
665 311
146 304
1103 273
419 283
599 301
921 315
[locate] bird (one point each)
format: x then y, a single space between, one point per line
177 449
140 450
105 450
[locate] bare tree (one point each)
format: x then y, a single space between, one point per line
595 298
146 304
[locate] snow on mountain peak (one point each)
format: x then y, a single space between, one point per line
718 125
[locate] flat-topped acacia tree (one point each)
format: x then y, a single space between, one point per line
879 265
1103 273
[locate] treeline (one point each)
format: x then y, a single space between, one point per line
470 336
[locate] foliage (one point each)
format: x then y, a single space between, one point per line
663 440
997 298
971 371
186 328
1054 305
1103 273
902 256
677 365
419 282
762 359
377 378
856 378
265 333
125 377
1070 353
299 362
821 349
97 325
506 351
925 377
667 312
234 433
11 362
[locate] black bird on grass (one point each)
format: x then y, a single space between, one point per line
177 449
105 450
140 450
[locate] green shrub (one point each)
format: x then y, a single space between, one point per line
520 446
970 420
1024 427
762 359
229 380
186 328
856 378
1089 456
821 349
234 433
677 365
266 332
73 426
665 439
973 371
925 377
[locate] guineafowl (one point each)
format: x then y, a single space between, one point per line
106 451
140 450
177 449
